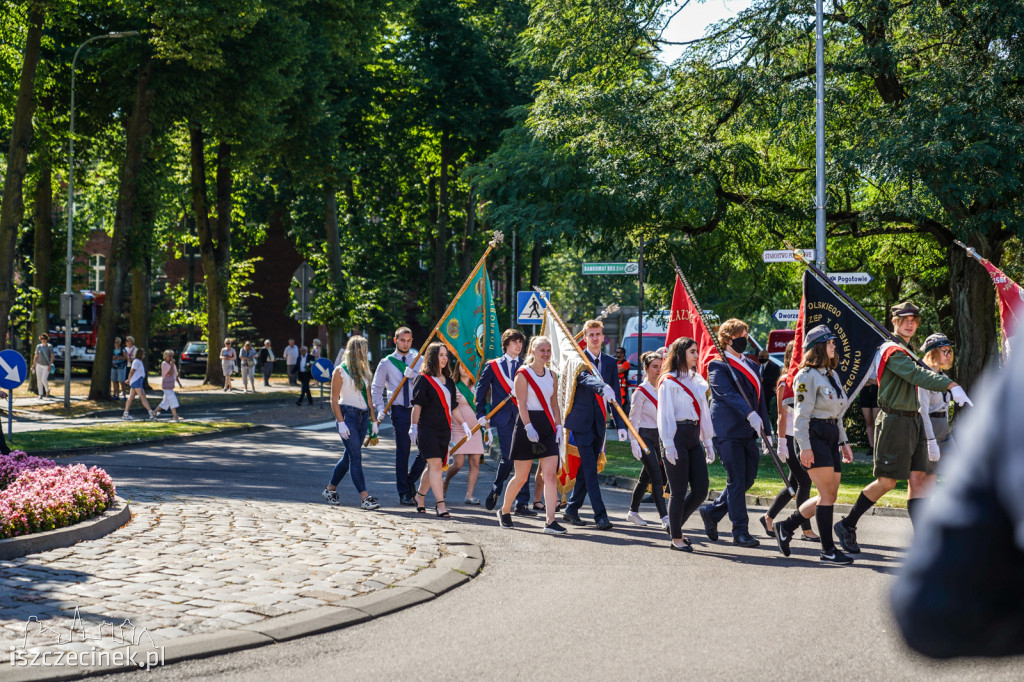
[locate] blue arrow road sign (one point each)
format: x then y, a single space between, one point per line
13 369
530 307
322 370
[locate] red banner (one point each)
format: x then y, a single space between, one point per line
1011 300
686 321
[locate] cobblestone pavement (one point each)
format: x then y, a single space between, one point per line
188 565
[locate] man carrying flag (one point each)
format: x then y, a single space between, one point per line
404 363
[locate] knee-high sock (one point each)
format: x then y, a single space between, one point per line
823 515
859 508
915 506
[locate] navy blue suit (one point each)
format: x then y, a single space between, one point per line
488 386
735 439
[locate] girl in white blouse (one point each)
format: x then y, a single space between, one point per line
643 413
684 424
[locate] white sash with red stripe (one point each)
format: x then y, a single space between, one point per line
696 405
749 374
440 395
654 401
540 395
503 380
885 352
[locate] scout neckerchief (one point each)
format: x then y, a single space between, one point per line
540 396
696 405
749 374
503 380
440 395
466 393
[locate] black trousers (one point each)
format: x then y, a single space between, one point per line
690 469
304 378
798 480
651 473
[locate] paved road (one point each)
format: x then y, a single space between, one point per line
592 605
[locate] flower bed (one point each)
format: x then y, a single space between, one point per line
37 494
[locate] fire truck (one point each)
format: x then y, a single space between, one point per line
83 331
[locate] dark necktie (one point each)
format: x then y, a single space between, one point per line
405 386
515 368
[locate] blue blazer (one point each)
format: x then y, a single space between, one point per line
489 384
729 407
586 414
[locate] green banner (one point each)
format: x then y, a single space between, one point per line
470 330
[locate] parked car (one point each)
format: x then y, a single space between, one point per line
193 358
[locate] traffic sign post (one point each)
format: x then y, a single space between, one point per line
322 371
784 255
305 294
611 268
530 307
786 315
13 370
843 278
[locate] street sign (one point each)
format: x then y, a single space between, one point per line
13 369
849 277
611 269
786 315
530 307
784 255
322 370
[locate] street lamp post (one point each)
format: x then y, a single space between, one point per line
68 297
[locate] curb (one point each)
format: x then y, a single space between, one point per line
33 416
756 501
110 520
447 573
165 440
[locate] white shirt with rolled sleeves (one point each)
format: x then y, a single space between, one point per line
388 376
674 405
816 398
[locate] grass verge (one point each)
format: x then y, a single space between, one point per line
121 433
768 483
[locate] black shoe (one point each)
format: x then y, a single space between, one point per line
743 539
603 523
782 539
573 518
764 524
555 528
492 499
835 557
685 548
406 499
505 520
809 538
299 401
847 537
710 527
524 510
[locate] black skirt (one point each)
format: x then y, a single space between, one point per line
869 397
523 449
432 444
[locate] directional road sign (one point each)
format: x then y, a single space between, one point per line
530 307
787 315
850 277
611 269
322 370
13 369
784 255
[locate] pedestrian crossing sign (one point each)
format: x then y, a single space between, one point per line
530 307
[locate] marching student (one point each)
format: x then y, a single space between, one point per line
643 413
737 427
798 478
938 354
495 385
472 449
404 362
536 434
350 402
687 434
587 421
820 435
901 447
434 403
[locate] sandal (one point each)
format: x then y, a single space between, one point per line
538 506
419 509
440 514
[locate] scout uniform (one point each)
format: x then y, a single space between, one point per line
818 413
935 407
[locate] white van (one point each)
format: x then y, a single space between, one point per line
655 328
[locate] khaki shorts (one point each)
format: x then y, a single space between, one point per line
900 447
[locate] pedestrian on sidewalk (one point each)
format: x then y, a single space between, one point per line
536 434
472 449
247 360
291 358
314 350
304 369
130 349
643 413
400 367
227 362
136 384
687 433
168 377
266 359
118 371
433 402
44 364
350 401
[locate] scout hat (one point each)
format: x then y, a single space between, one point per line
935 341
905 309
819 334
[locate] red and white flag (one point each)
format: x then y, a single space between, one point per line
686 321
1011 301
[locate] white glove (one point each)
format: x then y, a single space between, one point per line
608 393
754 419
766 446
623 435
413 432
410 373
960 396
933 450
343 431
531 434
671 454
709 451
380 411
482 421
466 430
634 447
558 433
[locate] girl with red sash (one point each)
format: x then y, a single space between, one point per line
536 434
434 401
684 424
643 413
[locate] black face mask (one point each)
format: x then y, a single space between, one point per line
739 344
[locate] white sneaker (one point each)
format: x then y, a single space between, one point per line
635 518
370 503
664 522
127 417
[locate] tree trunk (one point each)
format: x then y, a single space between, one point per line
136 142
12 206
42 252
336 330
438 303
